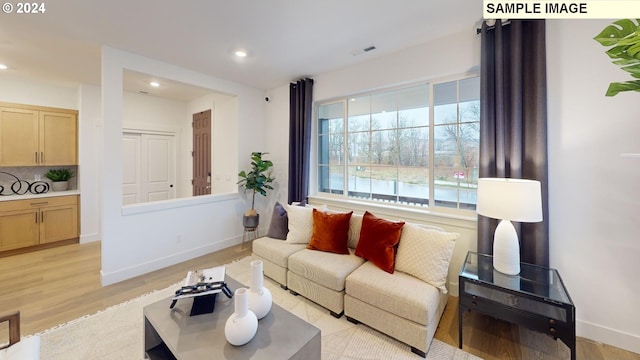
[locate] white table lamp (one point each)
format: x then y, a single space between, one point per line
508 200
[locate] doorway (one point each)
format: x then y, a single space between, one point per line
149 167
202 153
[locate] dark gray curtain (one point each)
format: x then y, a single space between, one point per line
300 112
513 123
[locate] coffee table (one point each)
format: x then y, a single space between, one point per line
173 334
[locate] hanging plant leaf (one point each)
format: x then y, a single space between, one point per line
624 36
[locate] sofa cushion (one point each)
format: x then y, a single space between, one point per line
327 269
330 232
279 226
399 293
426 254
355 225
378 241
275 250
300 224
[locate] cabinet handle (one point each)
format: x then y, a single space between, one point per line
42 216
42 156
36 157
36 218
552 330
40 203
552 321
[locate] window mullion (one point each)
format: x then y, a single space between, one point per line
431 148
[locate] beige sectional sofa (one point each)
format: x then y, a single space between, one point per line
406 305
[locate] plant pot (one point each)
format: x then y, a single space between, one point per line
250 222
60 185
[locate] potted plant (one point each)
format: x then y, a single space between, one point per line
257 180
60 178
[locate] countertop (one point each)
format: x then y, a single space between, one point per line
36 196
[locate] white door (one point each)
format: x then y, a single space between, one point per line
131 168
159 180
149 167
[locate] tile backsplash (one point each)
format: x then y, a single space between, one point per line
29 173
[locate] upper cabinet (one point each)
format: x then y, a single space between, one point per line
37 136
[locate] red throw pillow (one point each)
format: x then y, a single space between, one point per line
330 232
379 240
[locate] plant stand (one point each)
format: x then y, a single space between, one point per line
249 233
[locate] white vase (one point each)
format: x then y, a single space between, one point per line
260 298
242 325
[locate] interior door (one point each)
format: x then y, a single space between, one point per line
131 168
158 151
202 153
149 167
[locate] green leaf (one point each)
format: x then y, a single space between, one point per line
617 87
624 37
612 34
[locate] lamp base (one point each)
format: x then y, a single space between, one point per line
506 249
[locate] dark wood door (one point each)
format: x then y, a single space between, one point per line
202 153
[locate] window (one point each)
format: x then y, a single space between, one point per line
394 147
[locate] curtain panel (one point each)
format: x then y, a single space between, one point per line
300 121
513 123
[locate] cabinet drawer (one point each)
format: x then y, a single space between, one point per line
38 202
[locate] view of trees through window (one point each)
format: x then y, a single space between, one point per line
394 147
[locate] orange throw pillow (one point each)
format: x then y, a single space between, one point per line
379 240
330 232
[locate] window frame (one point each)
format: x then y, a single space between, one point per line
431 206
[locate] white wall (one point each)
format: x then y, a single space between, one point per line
594 193
90 162
39 93
145 237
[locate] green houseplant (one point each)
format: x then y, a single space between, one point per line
60 178
623 36
257 180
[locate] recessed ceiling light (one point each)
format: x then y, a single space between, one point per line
3 67
154 83
240 53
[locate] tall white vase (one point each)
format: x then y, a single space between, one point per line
242 325
260 298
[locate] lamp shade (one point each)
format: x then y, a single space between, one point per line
510 199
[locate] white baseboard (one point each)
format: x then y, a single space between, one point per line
603 334
143 268
87 238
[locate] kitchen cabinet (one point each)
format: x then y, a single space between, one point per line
37 221
37 136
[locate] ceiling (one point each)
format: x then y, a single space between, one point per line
285 39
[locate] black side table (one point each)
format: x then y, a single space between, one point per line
535 298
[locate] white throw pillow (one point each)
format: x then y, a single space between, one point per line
300 224
355 225
426 254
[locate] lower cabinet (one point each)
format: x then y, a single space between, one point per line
25 223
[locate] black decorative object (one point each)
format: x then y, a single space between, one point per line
21 187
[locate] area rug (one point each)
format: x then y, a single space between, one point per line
117 332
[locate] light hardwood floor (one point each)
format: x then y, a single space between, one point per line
57 285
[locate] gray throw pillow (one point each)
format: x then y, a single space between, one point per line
279 226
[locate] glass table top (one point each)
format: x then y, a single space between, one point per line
533 279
